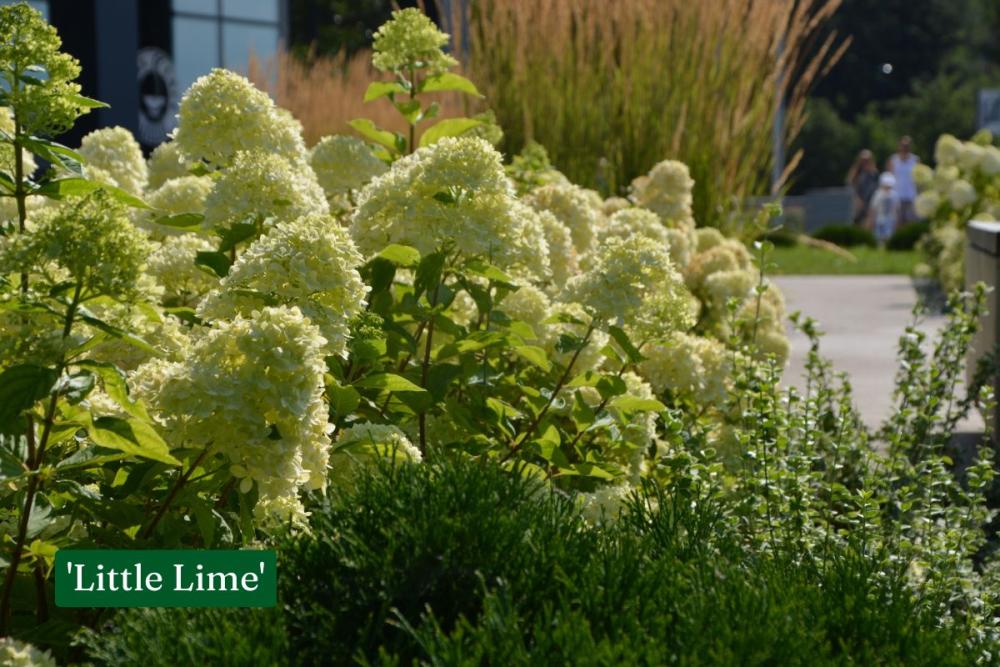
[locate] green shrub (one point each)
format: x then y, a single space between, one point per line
846 236
781 238
464 563
906 237
169 637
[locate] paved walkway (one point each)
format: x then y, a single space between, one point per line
862 317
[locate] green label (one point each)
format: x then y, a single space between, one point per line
175 578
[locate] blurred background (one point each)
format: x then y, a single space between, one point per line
757 98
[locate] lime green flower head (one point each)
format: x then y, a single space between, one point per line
165 163
91 238
222 113
115 151
411 40
29 50
633 281
344 163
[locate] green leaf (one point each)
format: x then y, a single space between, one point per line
370 131
410 110
626 344
448 81
113 380
378 89
78 187
534 355
88 102
55 153
217 262
591 470
20 387
115 332
636 404
132 436
440 377
400 255
75 387
388 382
186 221
428 275
449 127
236 233
343 400
486 270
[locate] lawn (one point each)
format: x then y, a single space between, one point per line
816 261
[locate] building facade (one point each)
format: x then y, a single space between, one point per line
139 56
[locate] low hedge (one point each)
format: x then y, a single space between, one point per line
846 236
459 563
906 237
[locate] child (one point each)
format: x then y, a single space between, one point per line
884 207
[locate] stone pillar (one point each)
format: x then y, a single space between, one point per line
982 264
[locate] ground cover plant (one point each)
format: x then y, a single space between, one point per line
356 351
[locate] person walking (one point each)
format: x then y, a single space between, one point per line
885 207
901 165
862 178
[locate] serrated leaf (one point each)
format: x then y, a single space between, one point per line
378 89
236 233
217 262
636 404
113 381
20 387
449 81
400 255
75 186
187 221
113 331
388 382
625 343
534 355
88 102
449 127
343 400
370 131
410 110
131 436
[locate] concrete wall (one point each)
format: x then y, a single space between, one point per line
982 264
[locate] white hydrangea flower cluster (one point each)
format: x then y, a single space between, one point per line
344 164
408 40
563 262
172 265
635 221
633 282
452 191
573 207
666 190
963 186
251 389
530 305
15 653
114 152
310 263
263 184
222 114
165 163
692 366
185 194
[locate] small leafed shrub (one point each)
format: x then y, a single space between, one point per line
846 236
907 236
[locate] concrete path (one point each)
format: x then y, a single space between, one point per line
862 317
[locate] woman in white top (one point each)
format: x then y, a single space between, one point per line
901 165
